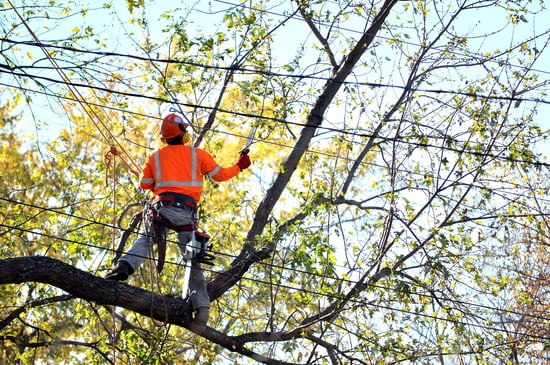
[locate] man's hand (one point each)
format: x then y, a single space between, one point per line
244 161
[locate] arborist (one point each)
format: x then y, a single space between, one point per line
175 175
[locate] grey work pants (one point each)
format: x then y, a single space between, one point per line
142 247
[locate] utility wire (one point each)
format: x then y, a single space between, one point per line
337 297
287 122
308 150
314 152
273 266
12 70
477 56
267 73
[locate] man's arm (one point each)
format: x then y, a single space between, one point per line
219 173
147 180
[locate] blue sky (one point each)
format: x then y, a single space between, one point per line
122 36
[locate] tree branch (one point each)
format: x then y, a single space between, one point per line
81 284
249 254
38 303
318 35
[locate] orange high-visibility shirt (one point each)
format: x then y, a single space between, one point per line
180 169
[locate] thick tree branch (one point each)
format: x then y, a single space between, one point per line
86 286
249 254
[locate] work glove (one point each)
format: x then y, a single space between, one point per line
244 161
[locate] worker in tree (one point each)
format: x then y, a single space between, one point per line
174 173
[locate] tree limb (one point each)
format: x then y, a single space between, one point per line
38 303
249 254
82 284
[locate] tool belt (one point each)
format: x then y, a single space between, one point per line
174 200
157 224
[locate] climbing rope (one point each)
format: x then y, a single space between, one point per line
110 160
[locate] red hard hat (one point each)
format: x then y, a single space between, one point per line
172 126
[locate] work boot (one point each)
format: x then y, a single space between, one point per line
120 272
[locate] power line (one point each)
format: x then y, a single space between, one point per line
241 136
279 120
287 122
317 275
337 26
257 71
454 321
310 151
254 72
479 57
314 152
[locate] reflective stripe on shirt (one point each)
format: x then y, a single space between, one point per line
196 181
194 163
193 184
215 171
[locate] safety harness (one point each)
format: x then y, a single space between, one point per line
156 225
168 200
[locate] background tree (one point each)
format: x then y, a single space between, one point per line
395 146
